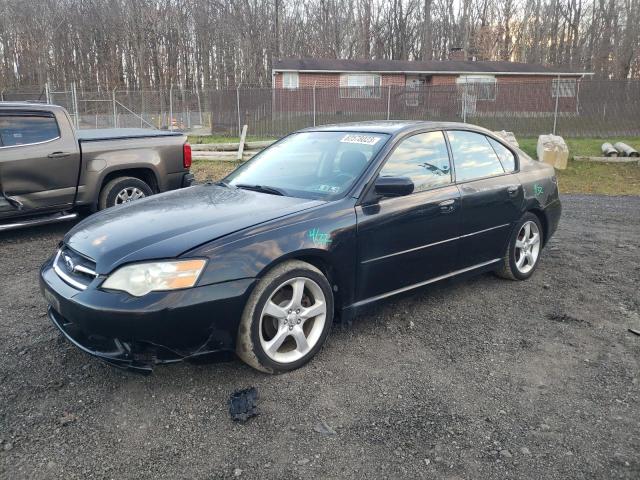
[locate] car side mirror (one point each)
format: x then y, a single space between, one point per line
393 186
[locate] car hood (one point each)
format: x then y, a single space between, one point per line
169 224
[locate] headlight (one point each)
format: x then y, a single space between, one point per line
141 278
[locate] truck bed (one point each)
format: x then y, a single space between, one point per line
94 135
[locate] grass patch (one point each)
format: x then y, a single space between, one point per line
600 178
593 177
205 170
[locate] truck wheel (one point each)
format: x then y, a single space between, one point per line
286 319
122 190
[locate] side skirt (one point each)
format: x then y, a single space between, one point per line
367 301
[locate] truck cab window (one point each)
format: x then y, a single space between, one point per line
27 129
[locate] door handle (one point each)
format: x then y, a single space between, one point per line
447 206
59 155
513 190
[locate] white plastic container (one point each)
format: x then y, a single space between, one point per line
553 150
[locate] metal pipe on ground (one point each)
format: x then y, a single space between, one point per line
608 150
626 150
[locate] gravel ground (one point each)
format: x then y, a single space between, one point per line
481 378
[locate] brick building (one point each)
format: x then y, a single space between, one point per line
438 87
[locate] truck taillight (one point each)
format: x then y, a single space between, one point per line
186 155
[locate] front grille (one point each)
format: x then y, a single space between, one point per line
75 269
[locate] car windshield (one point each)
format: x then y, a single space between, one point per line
318 165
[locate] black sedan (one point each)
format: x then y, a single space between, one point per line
325 221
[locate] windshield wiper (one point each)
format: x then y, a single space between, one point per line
260 188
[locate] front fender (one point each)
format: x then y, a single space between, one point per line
327 234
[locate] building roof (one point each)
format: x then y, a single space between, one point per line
421 67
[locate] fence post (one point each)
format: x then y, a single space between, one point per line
465 97
74 99
115 108
171 107
314 103
389 102
199 108
238 105
2 95
555 114
47 92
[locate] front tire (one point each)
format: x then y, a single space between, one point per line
123 190
287 318
523 252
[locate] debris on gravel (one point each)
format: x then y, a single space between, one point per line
324 429
557 360
242 404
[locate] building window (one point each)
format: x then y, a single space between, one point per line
565 87
482 87
360 85
290 80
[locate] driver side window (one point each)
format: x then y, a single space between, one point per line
423 158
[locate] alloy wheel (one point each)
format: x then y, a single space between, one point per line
292 320
129 194
527 247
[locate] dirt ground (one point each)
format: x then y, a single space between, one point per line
482 378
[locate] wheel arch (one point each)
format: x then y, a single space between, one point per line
147 175
543 221
320 259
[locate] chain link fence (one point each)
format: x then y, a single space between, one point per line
586 108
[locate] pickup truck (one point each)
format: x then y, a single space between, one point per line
49 170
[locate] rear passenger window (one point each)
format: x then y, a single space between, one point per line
423 158
473 156
504 154
26 129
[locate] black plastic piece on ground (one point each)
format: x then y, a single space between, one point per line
242 404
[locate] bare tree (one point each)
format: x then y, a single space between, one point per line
196 43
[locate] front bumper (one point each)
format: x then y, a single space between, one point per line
139 332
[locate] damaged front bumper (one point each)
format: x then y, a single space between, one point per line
137 333
137 356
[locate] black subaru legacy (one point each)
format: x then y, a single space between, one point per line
323 222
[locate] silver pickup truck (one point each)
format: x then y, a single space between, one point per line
49 170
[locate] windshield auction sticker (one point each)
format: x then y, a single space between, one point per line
361 139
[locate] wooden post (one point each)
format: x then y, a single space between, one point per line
555 113
243 136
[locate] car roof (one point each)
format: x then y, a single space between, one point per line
392 127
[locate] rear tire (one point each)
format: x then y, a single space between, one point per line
287 318
123 190
523 252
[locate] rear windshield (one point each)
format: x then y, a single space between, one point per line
318 165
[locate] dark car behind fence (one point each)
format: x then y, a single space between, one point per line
574 109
